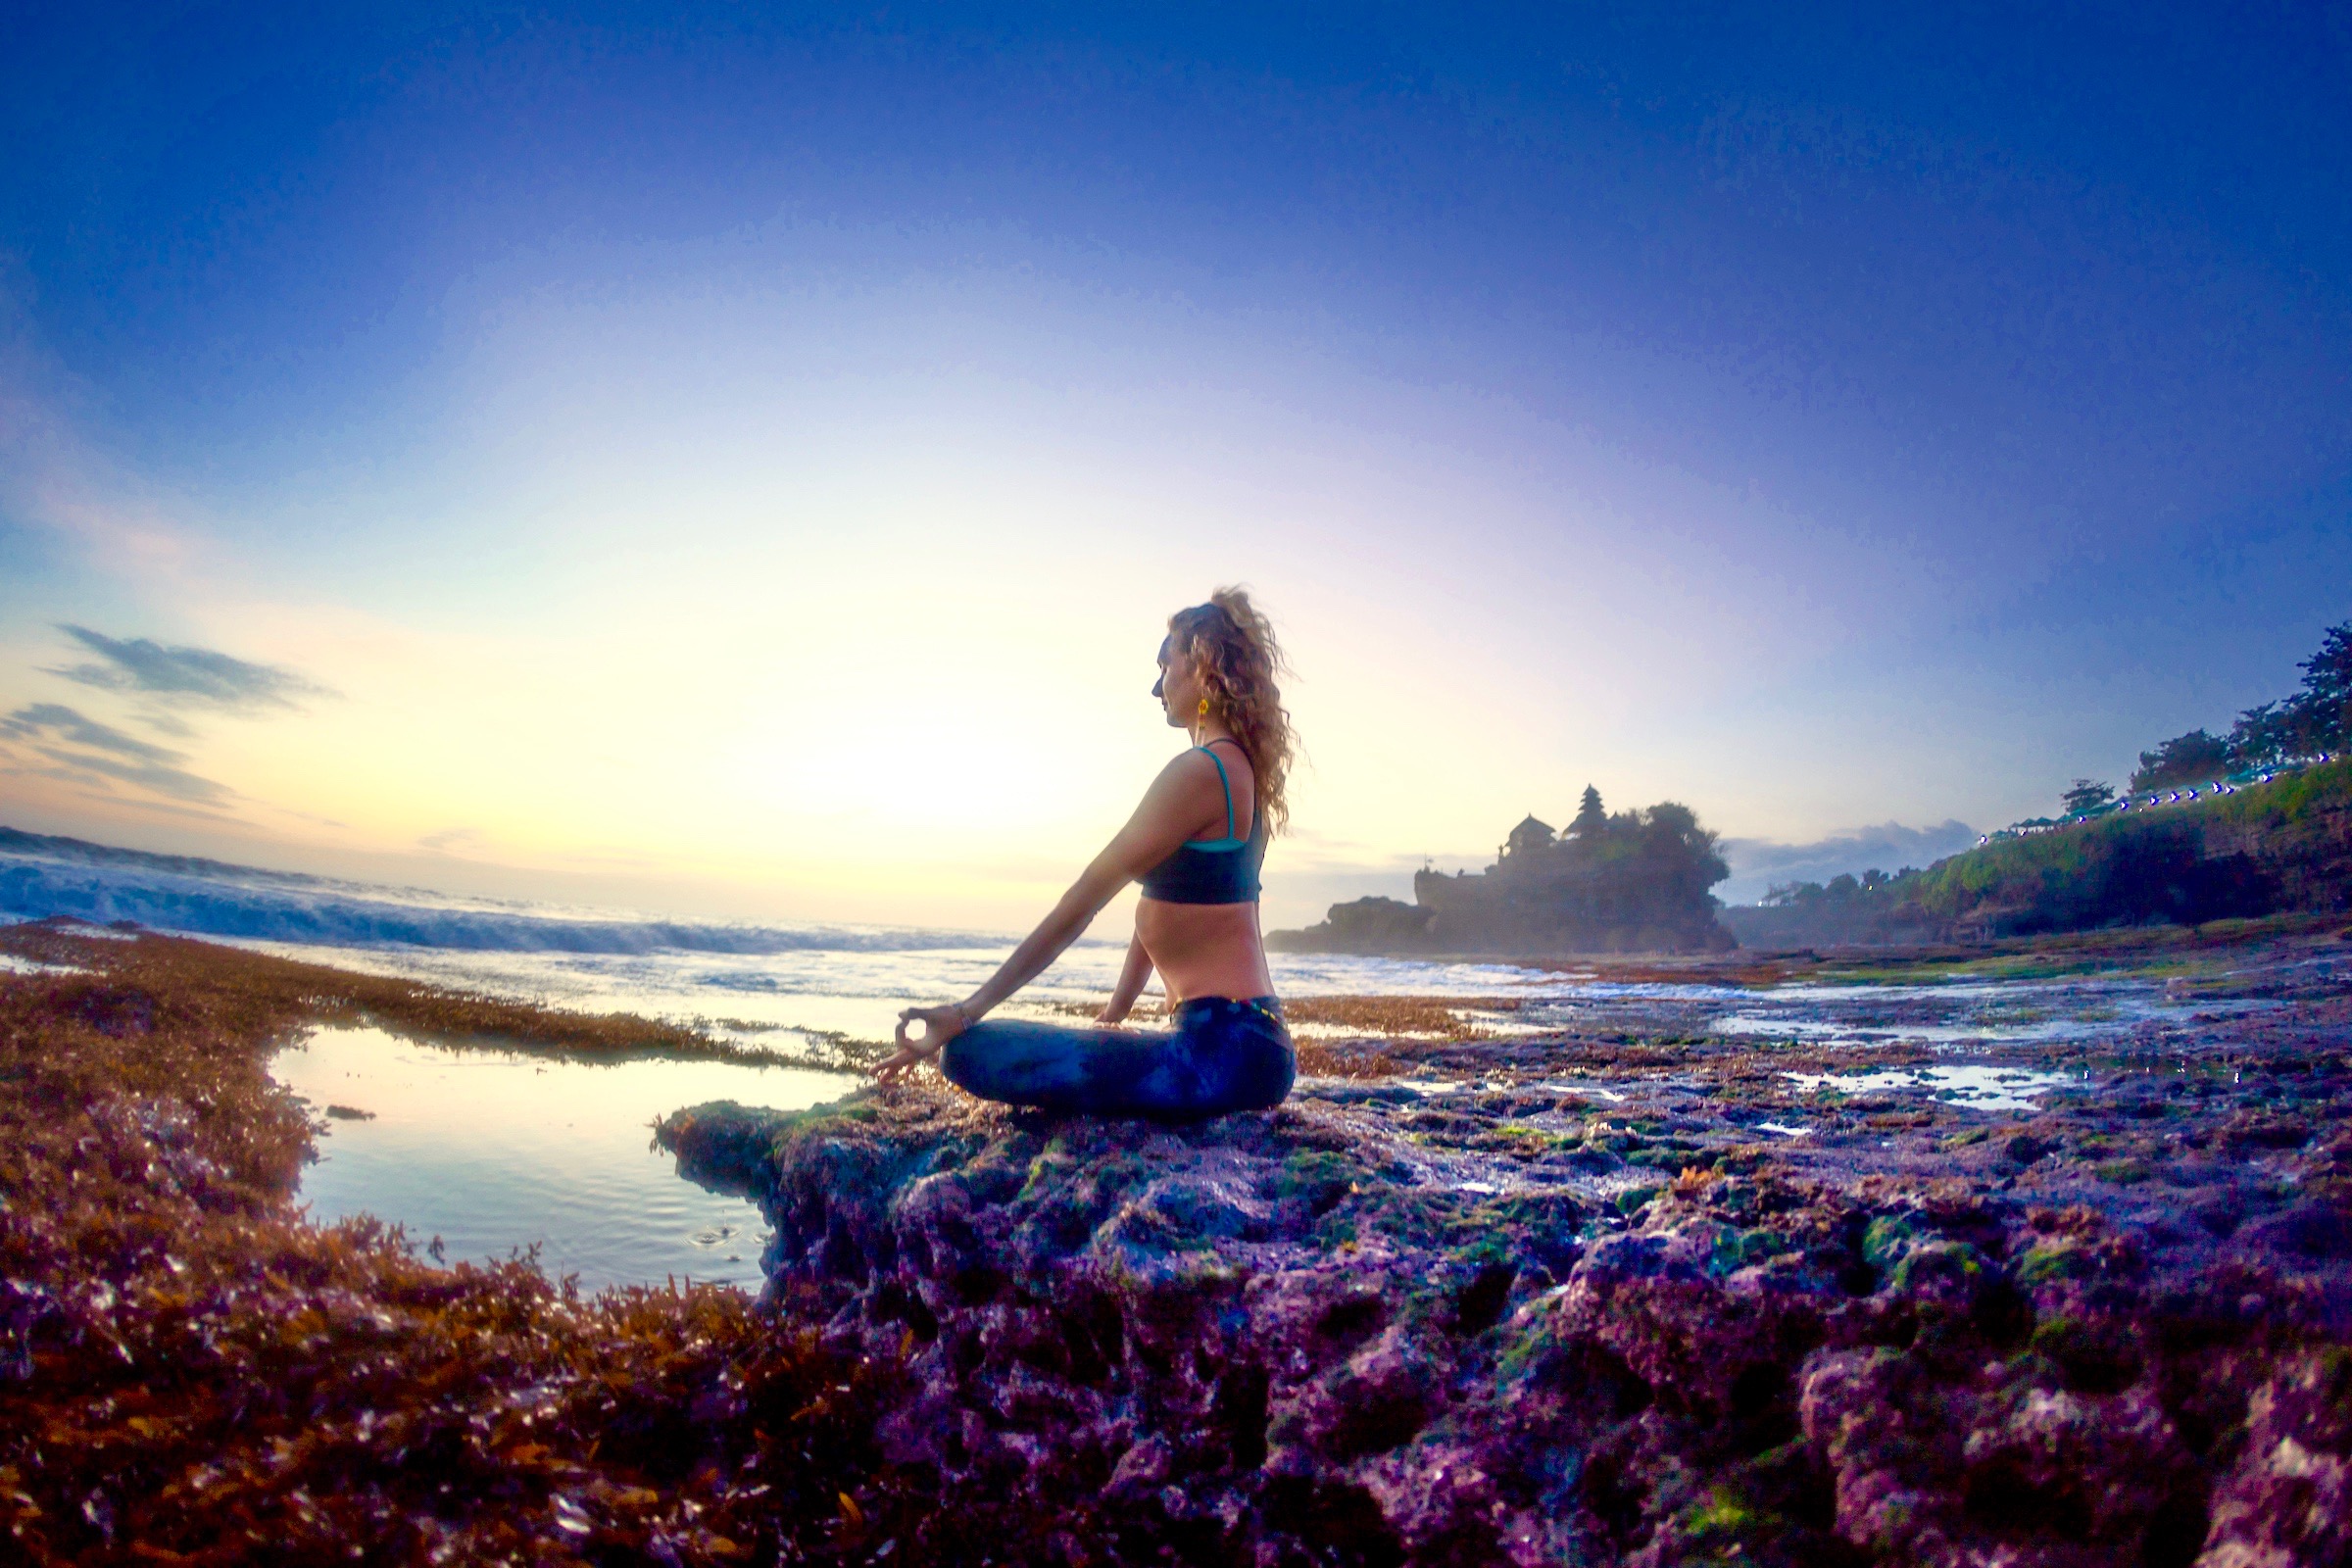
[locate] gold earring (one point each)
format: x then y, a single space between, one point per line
1204 707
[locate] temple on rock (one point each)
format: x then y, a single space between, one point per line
1634 882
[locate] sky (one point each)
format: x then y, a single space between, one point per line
740 459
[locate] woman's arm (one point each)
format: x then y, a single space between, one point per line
1097 886
1132 976
1173 809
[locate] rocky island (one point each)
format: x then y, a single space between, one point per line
1631 882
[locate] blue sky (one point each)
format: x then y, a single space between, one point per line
740 457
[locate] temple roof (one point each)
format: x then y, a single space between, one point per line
1531 834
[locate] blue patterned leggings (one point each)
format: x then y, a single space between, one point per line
1222 1055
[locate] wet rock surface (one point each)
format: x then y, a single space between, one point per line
1558 1295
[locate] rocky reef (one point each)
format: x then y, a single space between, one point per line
1587 1295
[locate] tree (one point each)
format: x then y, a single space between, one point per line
2087 795
2190 759
2328 673
2262 737
1590 817
2322 709
2316 720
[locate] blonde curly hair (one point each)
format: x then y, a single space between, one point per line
1233 643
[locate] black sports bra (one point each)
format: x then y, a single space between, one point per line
1212 870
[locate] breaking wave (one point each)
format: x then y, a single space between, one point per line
42 876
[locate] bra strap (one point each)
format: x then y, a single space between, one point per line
1224 779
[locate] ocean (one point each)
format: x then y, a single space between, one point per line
748 979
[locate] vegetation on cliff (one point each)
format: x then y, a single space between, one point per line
2266 848
2310 723
2210 827
1635 881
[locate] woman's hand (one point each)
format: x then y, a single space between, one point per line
1132 975
940 1025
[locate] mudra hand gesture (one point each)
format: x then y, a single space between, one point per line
940 1025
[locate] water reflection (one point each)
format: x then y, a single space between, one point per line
1987 1088
492 1151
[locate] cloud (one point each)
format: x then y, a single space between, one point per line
75 729
196 676
95 752
307 816
449 838
1758 864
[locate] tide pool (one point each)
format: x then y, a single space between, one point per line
496 1151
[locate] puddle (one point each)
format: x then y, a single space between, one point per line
1985 1015
1985 1088
495 1152
1955 1017
1881 1031
1589 1091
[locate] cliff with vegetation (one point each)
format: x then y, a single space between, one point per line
2275 847
1631 882
2209 828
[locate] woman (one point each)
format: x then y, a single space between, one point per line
1196 844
